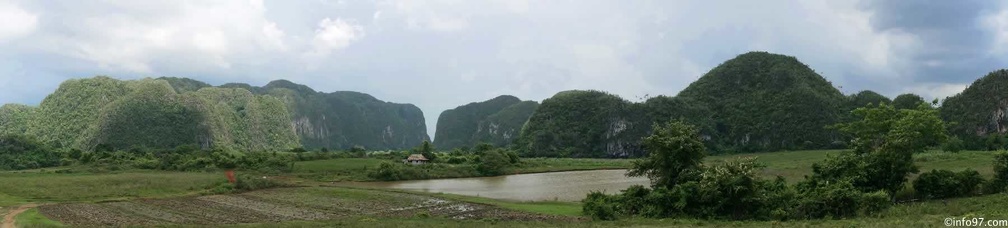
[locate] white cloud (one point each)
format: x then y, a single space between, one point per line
147 38
998 24
334 35
936 90
273 37
16 22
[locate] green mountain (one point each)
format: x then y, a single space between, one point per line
83 113
584 124
907 101
496 121
168 112
345 119
864 98
598 124
980 111
765 102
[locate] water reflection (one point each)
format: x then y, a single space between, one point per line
562 186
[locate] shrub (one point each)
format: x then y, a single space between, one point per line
248 182
837 200
600 206
1000 181
633 199
954 145
387 171
493 162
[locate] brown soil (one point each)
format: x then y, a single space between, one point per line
272 205
8 221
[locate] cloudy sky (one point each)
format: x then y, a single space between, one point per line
440 54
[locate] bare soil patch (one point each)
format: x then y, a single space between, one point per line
275 205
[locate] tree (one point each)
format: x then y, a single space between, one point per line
493 162
675 153
884 141
427 150
907 101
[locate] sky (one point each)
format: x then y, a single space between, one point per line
441 54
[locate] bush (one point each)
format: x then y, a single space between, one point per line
837 200
600 206
954 145
249 182
22 152
493 163
1000 181
940 184
387 171
633 199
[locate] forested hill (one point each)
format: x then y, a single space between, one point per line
765 102
344 119
168 112
979 115
496 121
757 101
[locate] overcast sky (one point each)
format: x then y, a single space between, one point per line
442 54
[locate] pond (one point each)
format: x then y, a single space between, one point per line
556 186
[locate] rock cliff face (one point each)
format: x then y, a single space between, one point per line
168 112
496 121
980 111
344 119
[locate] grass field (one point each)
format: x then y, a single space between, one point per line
795 165
32 218
920 214
356 169
49 187
88 187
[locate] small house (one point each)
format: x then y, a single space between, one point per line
416 159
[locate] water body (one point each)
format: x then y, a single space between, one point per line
561 186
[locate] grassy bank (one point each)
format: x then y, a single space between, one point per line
357 169
32 218
795 165
47 186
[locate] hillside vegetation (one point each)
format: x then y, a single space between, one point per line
757 101
345 119
497 121
765 102
979 115
170 112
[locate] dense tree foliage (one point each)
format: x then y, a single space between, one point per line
182 85
168 112
1000 181
15 118
345 119
765 102
884 141
584 124
674 153
939 184
979 115
20 152
84 113
907 101
684 187
865 97
496 121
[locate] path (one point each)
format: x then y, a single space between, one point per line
8 221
